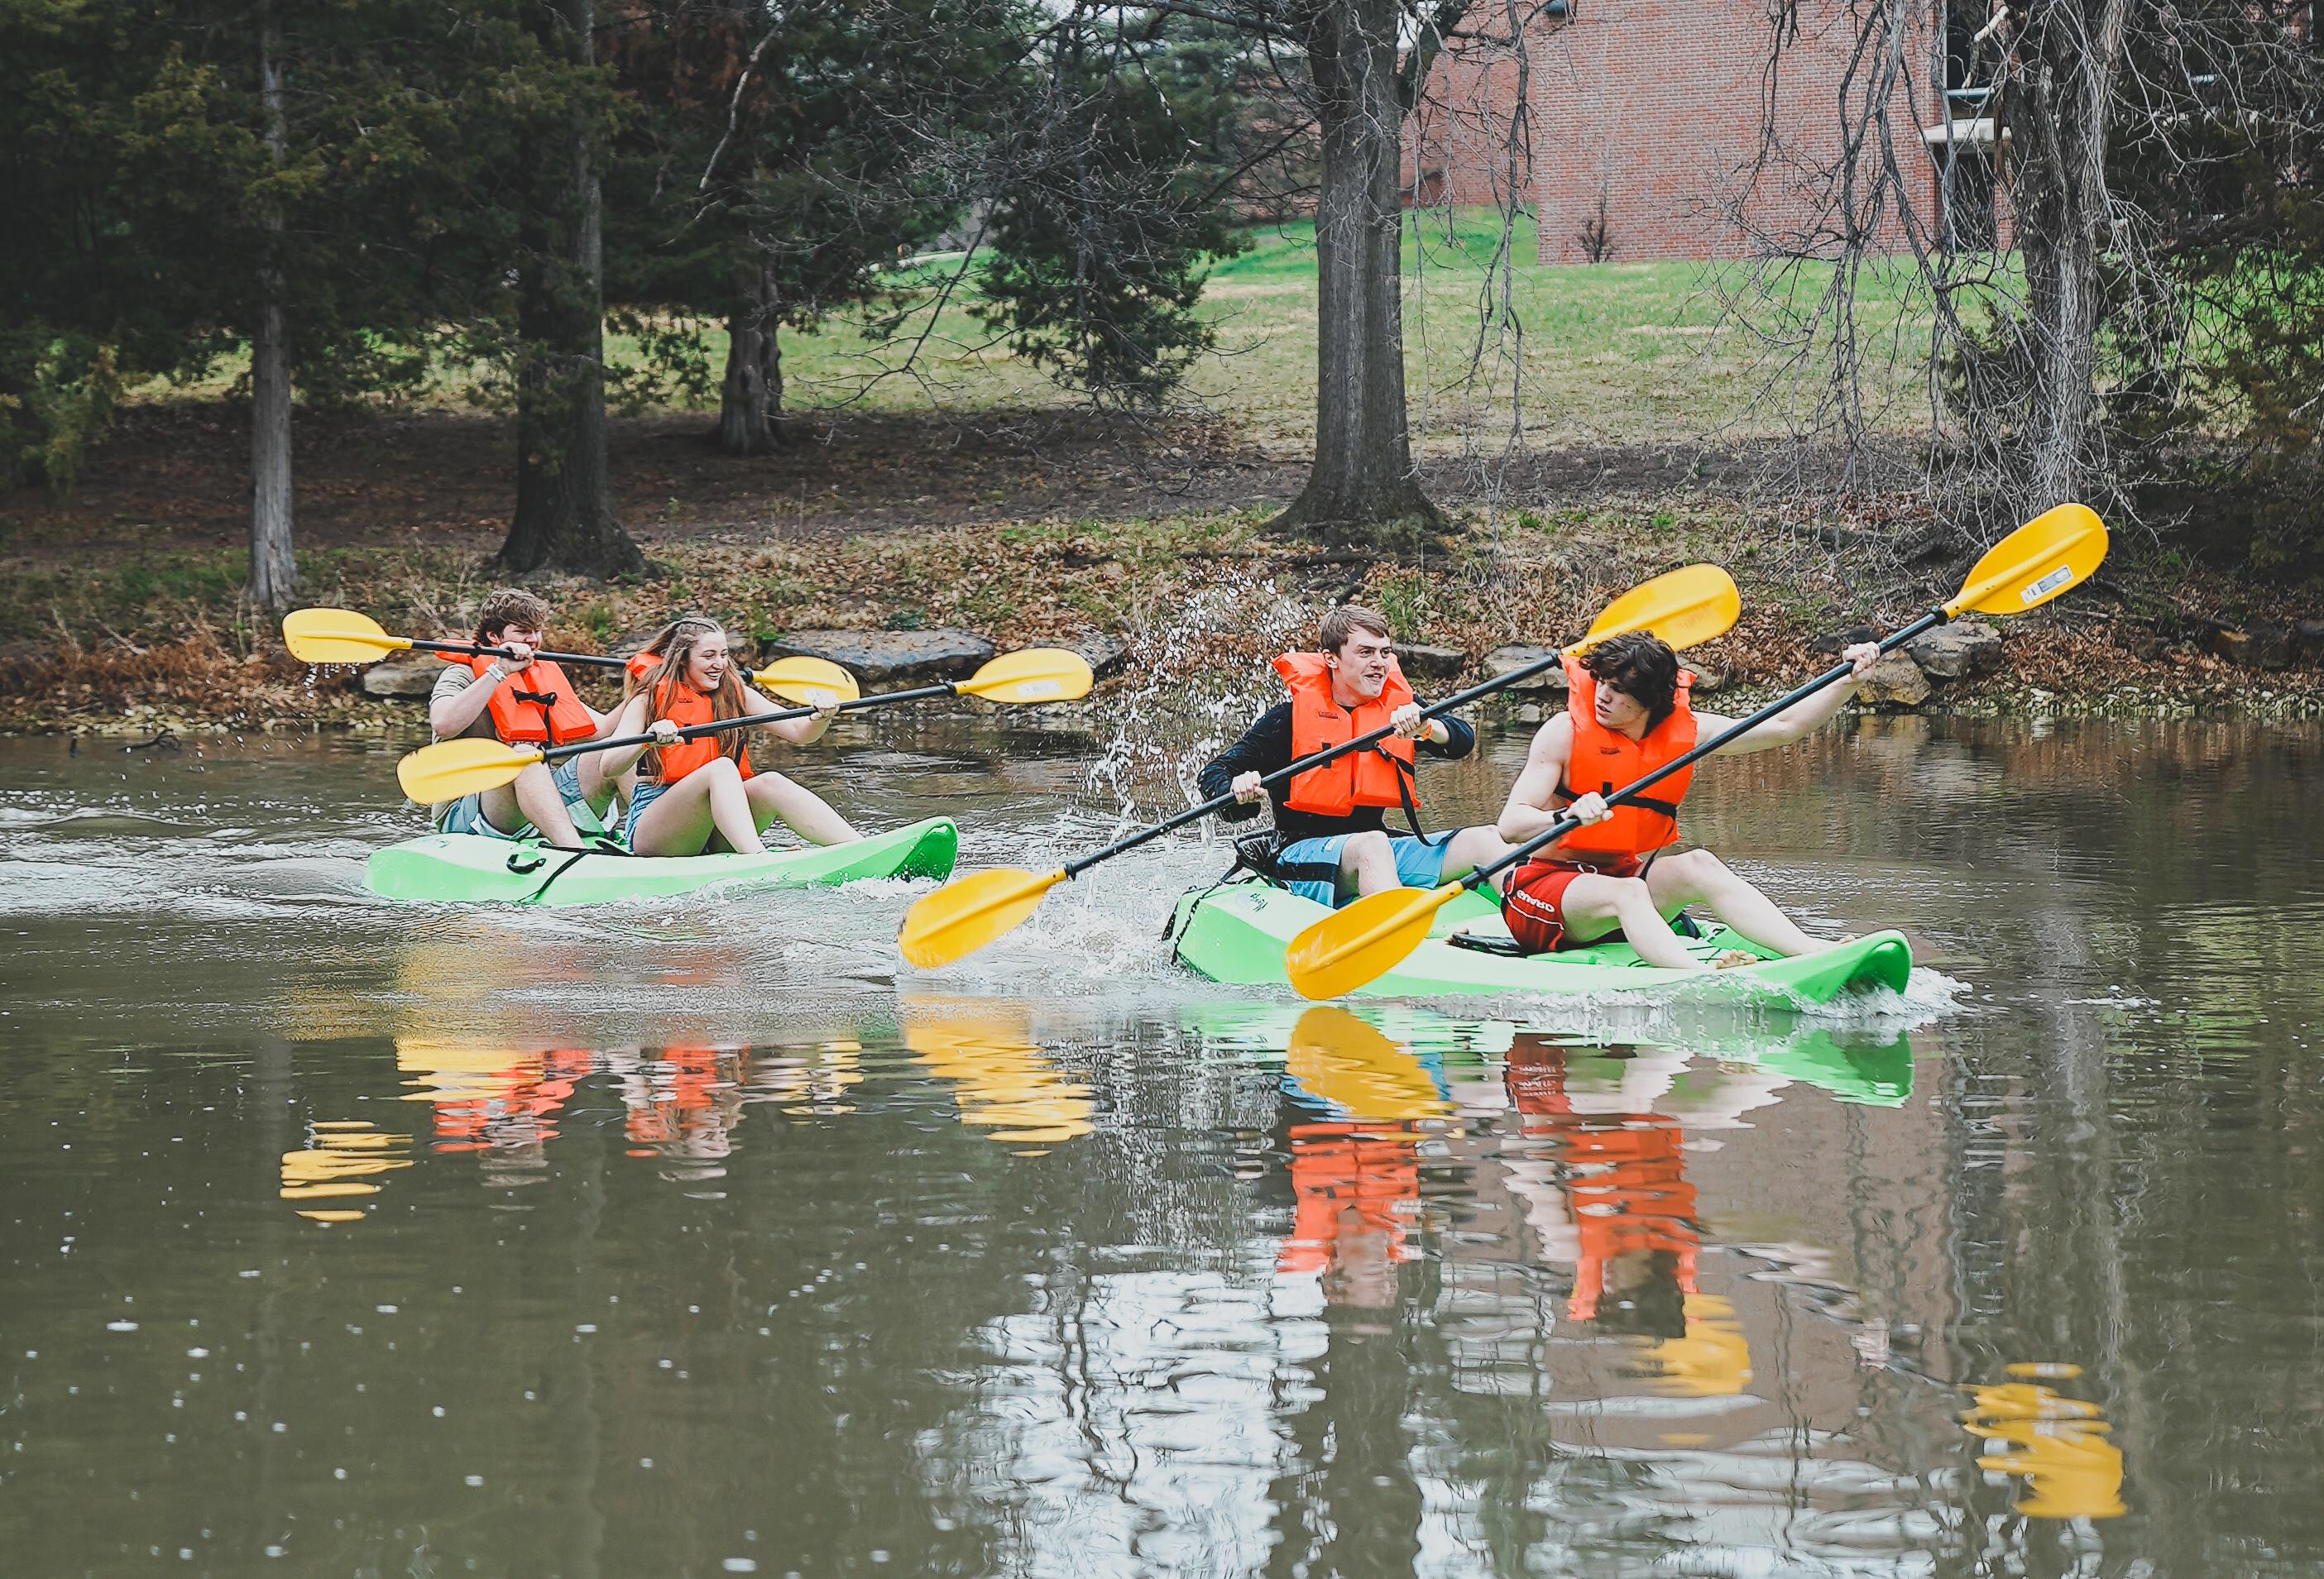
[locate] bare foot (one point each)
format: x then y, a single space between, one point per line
1729 958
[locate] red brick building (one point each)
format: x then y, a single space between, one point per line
1644 132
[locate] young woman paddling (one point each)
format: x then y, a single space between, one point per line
704 794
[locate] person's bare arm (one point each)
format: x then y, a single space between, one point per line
1531 806
450 716
1796 722
798 732
629 719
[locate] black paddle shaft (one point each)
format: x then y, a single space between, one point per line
1075 868
473 650
1565 825
749 719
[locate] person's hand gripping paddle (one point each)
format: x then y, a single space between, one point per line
1352 947
1684 608
450 769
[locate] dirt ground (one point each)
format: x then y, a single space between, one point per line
176 476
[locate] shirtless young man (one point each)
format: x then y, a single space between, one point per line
1627 714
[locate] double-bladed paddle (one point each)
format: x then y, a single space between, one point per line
1683 607
1352 947
449 769
342 636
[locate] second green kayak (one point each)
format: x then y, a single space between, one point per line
465 868
1237 932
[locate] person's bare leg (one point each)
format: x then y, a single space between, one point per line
1367 861
730 810
682 818
1697 876
597 789
1471 848
532 798
808 814
1595 904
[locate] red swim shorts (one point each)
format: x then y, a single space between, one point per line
1533 904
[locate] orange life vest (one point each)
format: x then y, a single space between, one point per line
534 706
641 666
686 707
1369 778
1606 760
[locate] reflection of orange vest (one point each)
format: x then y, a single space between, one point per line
517 1112
686 707
1370 1170
1627 1178
1606 760
1370 778
536 705
674 1104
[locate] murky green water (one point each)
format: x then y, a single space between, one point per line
699 1238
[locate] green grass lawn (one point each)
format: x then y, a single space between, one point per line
1610 354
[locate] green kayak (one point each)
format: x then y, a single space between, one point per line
1237 932
465 868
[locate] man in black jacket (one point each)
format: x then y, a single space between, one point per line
1332 841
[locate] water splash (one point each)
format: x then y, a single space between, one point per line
1202 676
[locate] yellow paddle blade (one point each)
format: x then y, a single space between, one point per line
449 769
968 913
1338 1059
808 681
1350 947
1684 607
337 636
1038 674
2054 552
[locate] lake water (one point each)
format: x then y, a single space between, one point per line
702 1237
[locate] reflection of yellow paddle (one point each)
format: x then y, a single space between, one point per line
1352 947
342 636
452 768
1339 1058
1684 608
2072 1470
1005 1083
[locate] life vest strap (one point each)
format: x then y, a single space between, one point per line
1666 808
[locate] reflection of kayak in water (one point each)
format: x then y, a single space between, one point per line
1860 1065
466 868
1237 932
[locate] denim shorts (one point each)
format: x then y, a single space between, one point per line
648 792
1311 868
466 814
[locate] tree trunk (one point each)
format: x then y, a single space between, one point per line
273 565
2065 220
750 401
1364 490
564 500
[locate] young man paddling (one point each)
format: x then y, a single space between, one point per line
1330 822
520 701
1627 714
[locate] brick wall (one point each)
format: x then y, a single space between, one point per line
1644 121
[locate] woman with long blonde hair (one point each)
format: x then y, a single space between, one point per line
704 794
